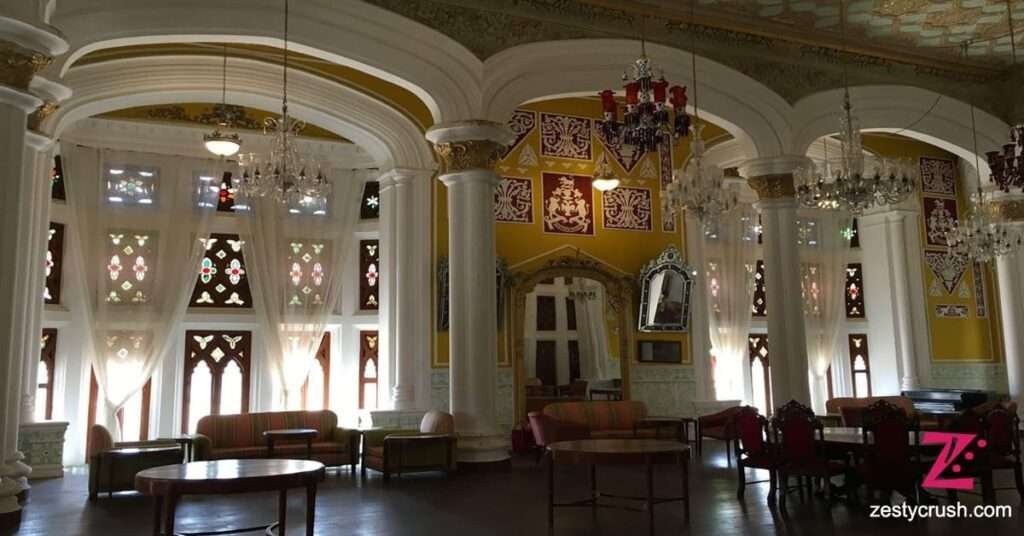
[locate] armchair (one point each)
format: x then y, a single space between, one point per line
431 448
113 465
717 426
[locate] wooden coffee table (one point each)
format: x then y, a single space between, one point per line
168 483
308 434
594 452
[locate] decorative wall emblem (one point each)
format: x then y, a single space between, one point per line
940 217
951 311
513 201
522 123
565 136
980 303
628 209
948 269
527 157
668 221
647 169
568 204
938 176
625 155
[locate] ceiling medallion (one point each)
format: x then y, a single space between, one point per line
223 144
648 121
844 185
284 174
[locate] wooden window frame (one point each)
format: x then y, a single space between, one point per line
323 357
865 352
242 356
48 355
368 352
752 348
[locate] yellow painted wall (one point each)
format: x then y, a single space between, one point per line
971 339
525 246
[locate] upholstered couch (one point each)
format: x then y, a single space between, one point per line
719 426
241 436
431 448
565 421
110 472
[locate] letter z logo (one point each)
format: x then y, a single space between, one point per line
953 445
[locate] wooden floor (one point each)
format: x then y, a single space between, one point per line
512 502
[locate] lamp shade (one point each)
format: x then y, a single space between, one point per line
221 144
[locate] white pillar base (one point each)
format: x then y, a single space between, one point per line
482 448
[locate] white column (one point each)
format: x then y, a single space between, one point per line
700 341
407 272
888 299
468 150
772 179
1010 273
28 45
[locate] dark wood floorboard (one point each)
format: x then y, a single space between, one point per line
512 503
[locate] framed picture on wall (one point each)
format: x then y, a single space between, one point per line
660 351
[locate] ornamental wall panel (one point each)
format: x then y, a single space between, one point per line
568 204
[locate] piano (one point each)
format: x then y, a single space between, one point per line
945 402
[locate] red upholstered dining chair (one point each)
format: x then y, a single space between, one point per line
800 438
753 449
1001 431
890 461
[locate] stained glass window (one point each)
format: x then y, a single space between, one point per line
226 194
860 364
57 190
854 291
131 184
369 209
369 275
222 280
47 362
307 271
807 233
368 352
760 306
129 265
760 372
217 369
852 233
54 263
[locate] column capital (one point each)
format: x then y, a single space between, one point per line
466 145
403 175
772 165
20 64
38 142
773 187
1008 210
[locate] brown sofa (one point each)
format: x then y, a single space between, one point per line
431 448
111 471
565 421
852 409
241 436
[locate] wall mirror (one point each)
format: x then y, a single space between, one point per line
665 286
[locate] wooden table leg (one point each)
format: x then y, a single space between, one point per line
282 512
270 447
170 504
593 488
684 462
310 507
551 490
157 511
309 448
650 495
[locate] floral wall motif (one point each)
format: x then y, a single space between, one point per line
513 200
565 136
522 123
940 216
568 206
628 209
938 176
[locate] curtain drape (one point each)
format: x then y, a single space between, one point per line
295 260
729 276
136 224
591 330
823 283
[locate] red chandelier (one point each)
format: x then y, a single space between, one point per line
648 120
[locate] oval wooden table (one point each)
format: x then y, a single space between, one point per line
219 477
594 452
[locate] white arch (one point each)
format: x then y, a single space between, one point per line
441 72
752 113
389 137
892 109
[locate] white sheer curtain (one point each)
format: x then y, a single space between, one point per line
729 276
591 330
295 262
136 220
823 282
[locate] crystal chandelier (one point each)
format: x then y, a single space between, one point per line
223 144
648 121
846 186
1008 166
284 174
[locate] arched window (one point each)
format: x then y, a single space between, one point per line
368 369
217 367
860 364
760 372
316 390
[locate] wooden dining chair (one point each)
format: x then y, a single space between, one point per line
1001 430
753 449
800 436
890 460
